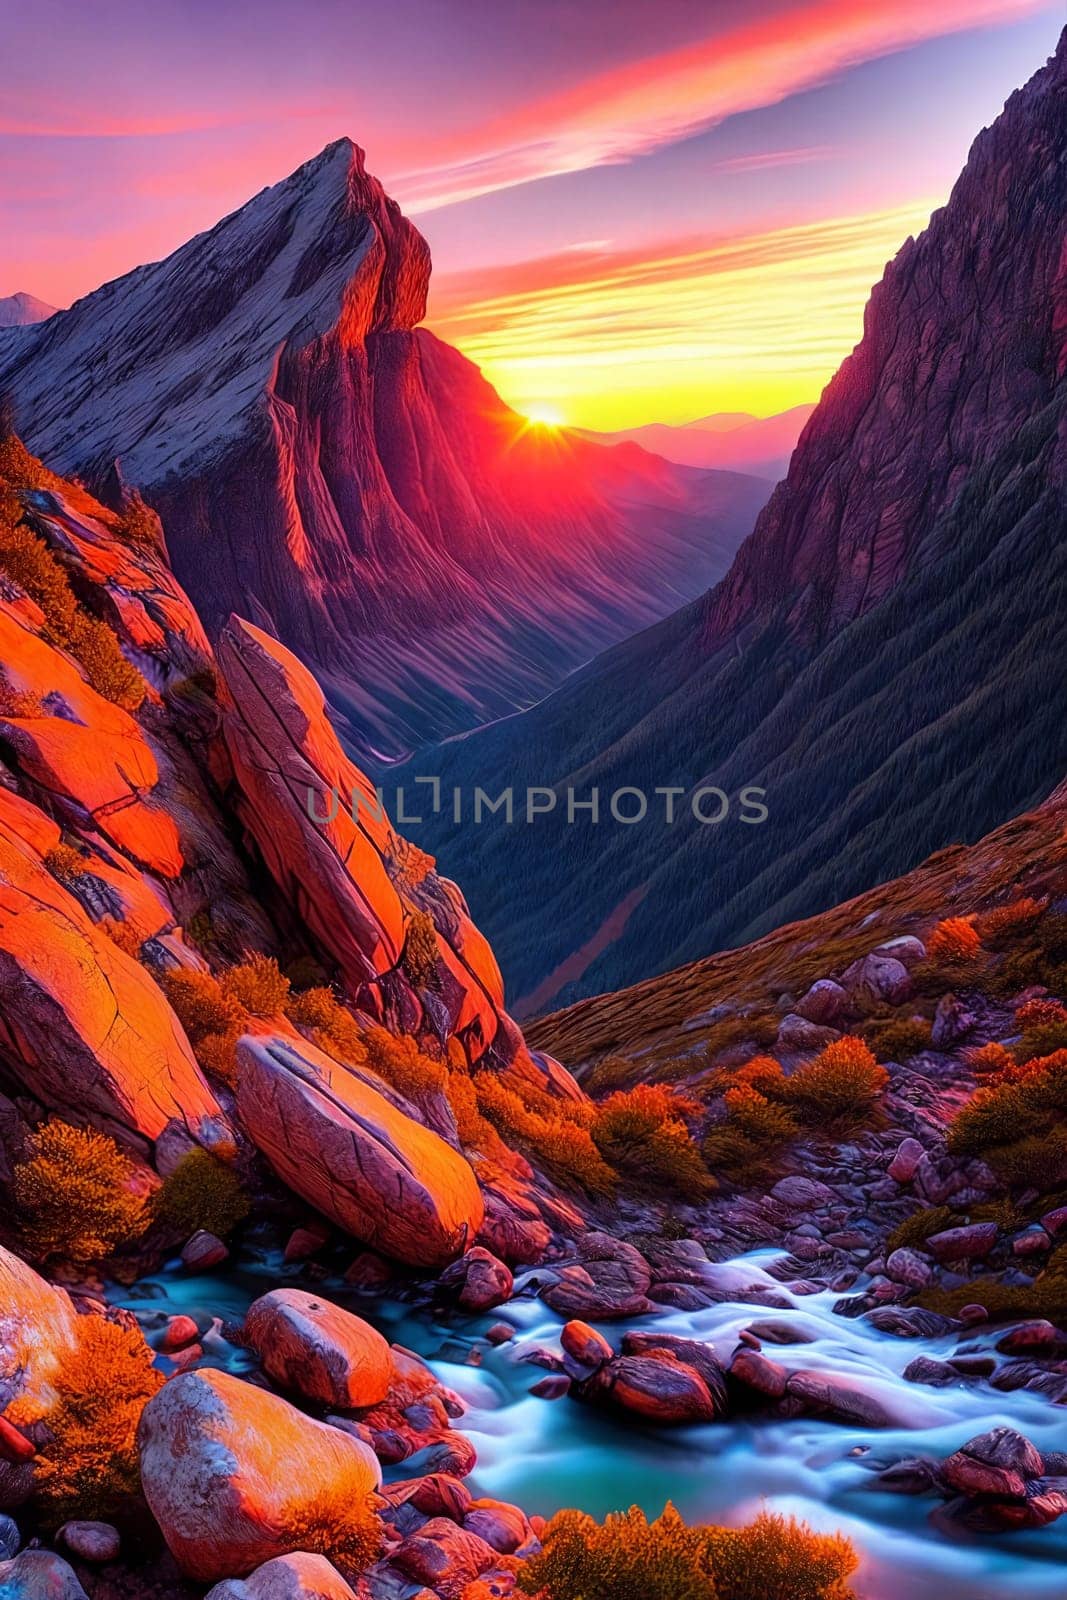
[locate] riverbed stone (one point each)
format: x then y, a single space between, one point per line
95 1542
584 1344
478 1279
226 1467
39 1575
319 1349
299 1576
967 1243
905 1163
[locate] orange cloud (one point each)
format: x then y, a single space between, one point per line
628 111
753 322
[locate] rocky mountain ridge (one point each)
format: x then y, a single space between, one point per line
329 468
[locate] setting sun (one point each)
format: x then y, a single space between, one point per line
544 416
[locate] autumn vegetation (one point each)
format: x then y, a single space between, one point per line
629 1558
75 1195
201 1193
87 1468
26 561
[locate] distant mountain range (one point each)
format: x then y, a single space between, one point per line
884 657
731 440
330 469
21 310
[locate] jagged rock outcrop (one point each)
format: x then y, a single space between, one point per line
876 660
353 1155
234 1475
325 465
364 894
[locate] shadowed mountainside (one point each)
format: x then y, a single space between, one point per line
879 656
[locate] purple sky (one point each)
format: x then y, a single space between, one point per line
544 149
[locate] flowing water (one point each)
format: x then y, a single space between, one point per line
547 1454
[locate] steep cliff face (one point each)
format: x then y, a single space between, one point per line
878 657
326 466
169 815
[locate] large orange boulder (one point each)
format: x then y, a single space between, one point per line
338 1142
320 1350
83 1026
236 1476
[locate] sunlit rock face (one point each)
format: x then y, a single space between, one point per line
84 1026
231 1472
332 470
334 1139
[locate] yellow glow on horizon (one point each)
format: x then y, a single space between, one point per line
542 414
754 323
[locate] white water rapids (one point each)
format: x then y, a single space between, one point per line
547 1454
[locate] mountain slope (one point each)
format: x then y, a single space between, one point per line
880 655
726 440
323 463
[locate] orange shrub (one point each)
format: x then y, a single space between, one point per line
398 1059
421 952
1015 1122
989 1058
202 1005
66 863
348 1533
217 1055
75 1194
843 1081
88 1468
1040 1013
763 1073
629 1558
258 985
562 1147
476 1133
330 1023
954 940
642 1132
1002 922
753 1134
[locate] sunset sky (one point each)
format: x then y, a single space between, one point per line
638 211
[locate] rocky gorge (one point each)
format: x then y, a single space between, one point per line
320 1276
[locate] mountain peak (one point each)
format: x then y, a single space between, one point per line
20 310
198 336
